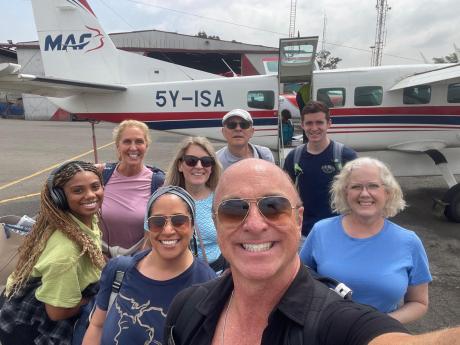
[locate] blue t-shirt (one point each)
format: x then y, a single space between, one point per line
378 269
318 171
139 312
205 225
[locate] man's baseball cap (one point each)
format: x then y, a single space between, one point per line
238 112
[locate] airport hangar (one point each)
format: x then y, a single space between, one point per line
191 51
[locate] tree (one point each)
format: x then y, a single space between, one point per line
326 61
451 58
203 34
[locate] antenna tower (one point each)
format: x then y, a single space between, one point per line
292 15
380 32
323 43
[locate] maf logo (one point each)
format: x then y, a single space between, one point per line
63 43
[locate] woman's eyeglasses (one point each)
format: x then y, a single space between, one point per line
234 124
370 187
192 161
178 222
234 211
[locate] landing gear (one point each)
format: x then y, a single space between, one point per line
452 200
450 203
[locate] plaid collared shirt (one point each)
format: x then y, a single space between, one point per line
24 308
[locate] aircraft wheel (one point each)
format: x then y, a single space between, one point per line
452 197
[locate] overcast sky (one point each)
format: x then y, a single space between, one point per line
413 26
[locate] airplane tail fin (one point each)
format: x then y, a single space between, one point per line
72 43
74 46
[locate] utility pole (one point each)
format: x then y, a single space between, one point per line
380 32
292 15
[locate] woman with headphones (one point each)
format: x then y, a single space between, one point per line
60 260
152 278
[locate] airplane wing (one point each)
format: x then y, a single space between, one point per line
13 81
450 73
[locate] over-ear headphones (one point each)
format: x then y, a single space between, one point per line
57 193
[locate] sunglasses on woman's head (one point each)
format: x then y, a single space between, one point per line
178 222
234 211
192 161
234 124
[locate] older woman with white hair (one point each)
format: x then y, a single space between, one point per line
383 263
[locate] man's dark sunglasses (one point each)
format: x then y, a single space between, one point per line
192 161
234 124
233 212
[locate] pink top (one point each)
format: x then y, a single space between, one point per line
123 209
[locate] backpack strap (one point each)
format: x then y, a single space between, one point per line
296 167
123 264
158 178
339 288
337 149
109 168
184 316
258 151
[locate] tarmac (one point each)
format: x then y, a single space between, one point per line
31 149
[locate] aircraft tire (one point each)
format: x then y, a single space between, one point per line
452 210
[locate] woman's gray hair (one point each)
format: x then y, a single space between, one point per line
175 177
395 201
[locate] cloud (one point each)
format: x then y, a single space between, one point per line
412 25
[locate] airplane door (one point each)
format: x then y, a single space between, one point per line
296 59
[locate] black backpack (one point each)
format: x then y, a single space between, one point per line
158 175
187 319
337 157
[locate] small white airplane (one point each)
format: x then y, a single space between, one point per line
85 74
404 109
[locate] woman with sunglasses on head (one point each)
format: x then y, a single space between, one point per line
152 278
383 263
195 168
59 262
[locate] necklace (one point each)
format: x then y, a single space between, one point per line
225 317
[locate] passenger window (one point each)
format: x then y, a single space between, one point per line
332 97
417 94
366 96
261 99
453 93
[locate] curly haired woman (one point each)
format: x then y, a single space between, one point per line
60 260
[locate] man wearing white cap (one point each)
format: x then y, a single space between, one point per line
237 130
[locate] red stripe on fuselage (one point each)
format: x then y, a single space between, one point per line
388 130
430 110
172 116
400 126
